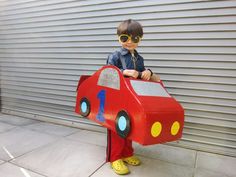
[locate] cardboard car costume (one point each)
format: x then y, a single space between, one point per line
142 111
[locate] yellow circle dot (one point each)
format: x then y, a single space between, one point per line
156 129
175 128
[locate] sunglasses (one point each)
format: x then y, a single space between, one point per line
126 37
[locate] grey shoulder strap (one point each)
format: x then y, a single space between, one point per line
122 59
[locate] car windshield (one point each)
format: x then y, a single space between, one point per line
143 88
109 77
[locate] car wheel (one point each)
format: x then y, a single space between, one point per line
84 107
122 124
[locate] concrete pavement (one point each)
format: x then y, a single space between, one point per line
31 148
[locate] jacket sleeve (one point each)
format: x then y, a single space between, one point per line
111 60
114 59
142 67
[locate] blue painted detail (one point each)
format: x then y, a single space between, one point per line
122 123
84 107
102 97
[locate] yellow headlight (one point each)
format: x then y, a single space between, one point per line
156 129
175 128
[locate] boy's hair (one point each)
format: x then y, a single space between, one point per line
130 27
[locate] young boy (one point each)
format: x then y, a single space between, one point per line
128 60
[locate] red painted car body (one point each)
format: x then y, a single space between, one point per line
140 110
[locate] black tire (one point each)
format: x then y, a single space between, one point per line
84 107
122 124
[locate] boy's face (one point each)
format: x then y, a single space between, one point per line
129 45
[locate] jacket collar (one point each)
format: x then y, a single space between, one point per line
124 51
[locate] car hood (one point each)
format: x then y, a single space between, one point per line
159 104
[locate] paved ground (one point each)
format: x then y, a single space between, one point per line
30 148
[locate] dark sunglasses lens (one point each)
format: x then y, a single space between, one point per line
135 39
124 38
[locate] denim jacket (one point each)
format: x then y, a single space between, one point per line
130 62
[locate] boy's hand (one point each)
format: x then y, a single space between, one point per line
131 73
155 78
146 75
